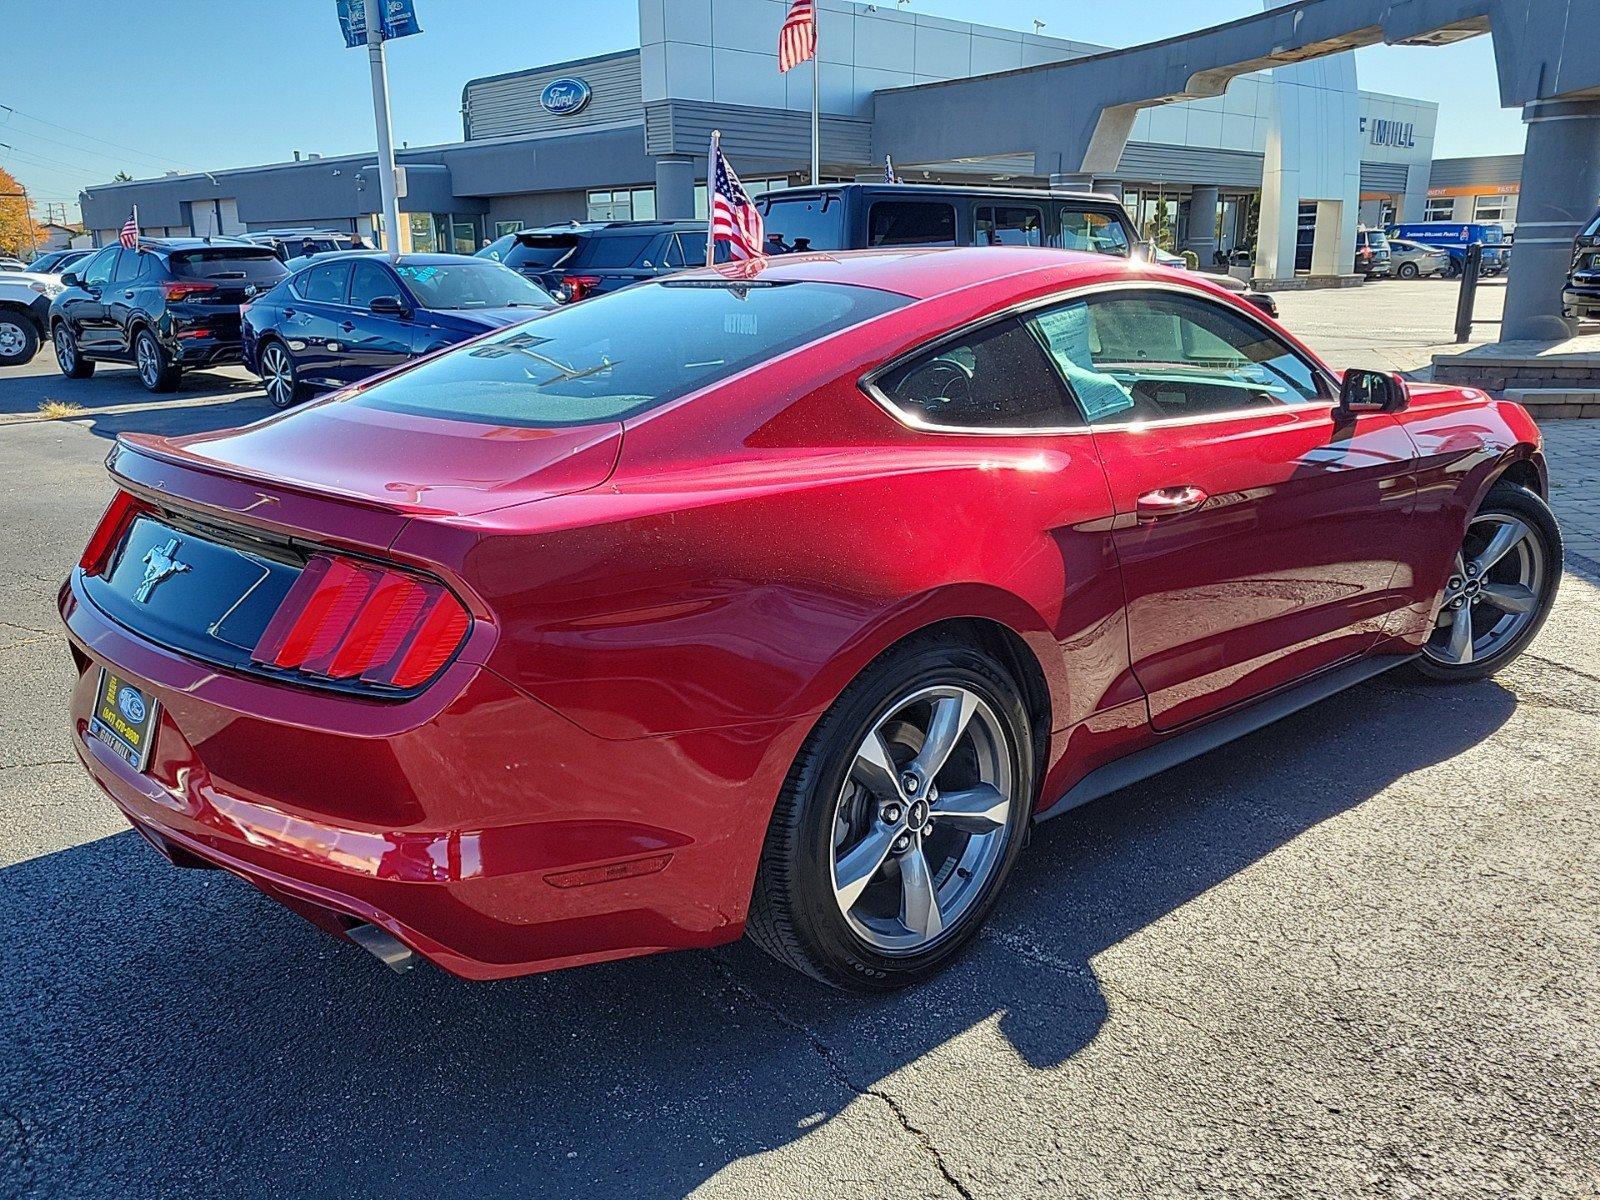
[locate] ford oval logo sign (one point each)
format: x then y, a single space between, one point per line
564 97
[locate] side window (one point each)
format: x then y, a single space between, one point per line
996 378
98 269
911 223
368 281
1156 356
1009 226
325 284
1096 232
129 266
689 250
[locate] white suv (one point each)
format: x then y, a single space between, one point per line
24 306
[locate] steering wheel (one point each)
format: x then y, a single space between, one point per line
938 384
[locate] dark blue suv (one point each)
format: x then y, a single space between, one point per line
347 315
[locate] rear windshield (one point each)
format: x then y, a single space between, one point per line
602 253
620 354
530 250
257 266
804 223
471 284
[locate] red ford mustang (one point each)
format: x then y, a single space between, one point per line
773 599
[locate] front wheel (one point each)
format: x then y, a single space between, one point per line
156 369
19 340
900 820
1500 589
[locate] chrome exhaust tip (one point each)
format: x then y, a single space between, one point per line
383 946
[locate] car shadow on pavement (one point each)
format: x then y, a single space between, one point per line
173 1032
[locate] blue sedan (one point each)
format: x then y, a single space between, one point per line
348 315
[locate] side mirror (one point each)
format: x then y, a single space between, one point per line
391 306
1364 391
71 279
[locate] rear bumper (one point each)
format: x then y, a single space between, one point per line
475 825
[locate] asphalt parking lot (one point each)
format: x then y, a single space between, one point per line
1352 955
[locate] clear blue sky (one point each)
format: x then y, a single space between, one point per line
203 84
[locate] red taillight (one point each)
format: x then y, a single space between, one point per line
114 523
345 619
182 290
576 287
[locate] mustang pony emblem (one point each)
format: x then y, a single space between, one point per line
159 563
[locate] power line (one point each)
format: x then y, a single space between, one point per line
160 158
122 158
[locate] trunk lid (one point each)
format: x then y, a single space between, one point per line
382 462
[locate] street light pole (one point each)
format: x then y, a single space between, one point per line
380 113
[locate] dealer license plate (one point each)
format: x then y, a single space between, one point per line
124 718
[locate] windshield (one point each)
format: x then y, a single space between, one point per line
471 284
620 354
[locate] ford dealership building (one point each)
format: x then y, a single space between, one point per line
624 135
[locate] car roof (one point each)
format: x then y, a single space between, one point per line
601 228
195 243
922 272
938 191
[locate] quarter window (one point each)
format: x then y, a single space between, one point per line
994 378
1009 226
911 223
1153 356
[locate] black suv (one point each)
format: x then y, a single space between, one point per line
858 216
1581 297
298 243
584 259
170 305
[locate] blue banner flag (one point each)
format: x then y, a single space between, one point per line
397 18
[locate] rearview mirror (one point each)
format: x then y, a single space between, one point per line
1364 391
391 305
70 279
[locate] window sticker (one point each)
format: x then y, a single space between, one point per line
1066 333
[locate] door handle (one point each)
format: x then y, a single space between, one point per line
127 295
348 326
288 312
1170 502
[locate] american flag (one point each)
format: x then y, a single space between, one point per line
130 231
888 170
734 218
798 41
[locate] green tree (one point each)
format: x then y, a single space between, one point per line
1159 228
122 177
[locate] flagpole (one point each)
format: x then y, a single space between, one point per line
711 207
135 228
816 102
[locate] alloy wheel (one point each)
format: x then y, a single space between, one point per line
922 821
147 360
12 340
278 376
66 350
1493 592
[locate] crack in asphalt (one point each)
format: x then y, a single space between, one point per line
840 1074
44 762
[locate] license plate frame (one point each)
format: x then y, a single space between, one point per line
124 718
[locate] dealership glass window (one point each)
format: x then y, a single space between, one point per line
622 204
1490 208
755 187
506 228
1009 226
424 239
911 223
1440 208
464 235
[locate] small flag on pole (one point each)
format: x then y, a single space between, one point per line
798 41
734 218
130 231
888 170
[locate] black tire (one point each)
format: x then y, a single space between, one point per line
1407 270
794 914
19 339
1511 500
285 394
154 366
68 357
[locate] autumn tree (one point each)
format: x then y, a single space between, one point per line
19 234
